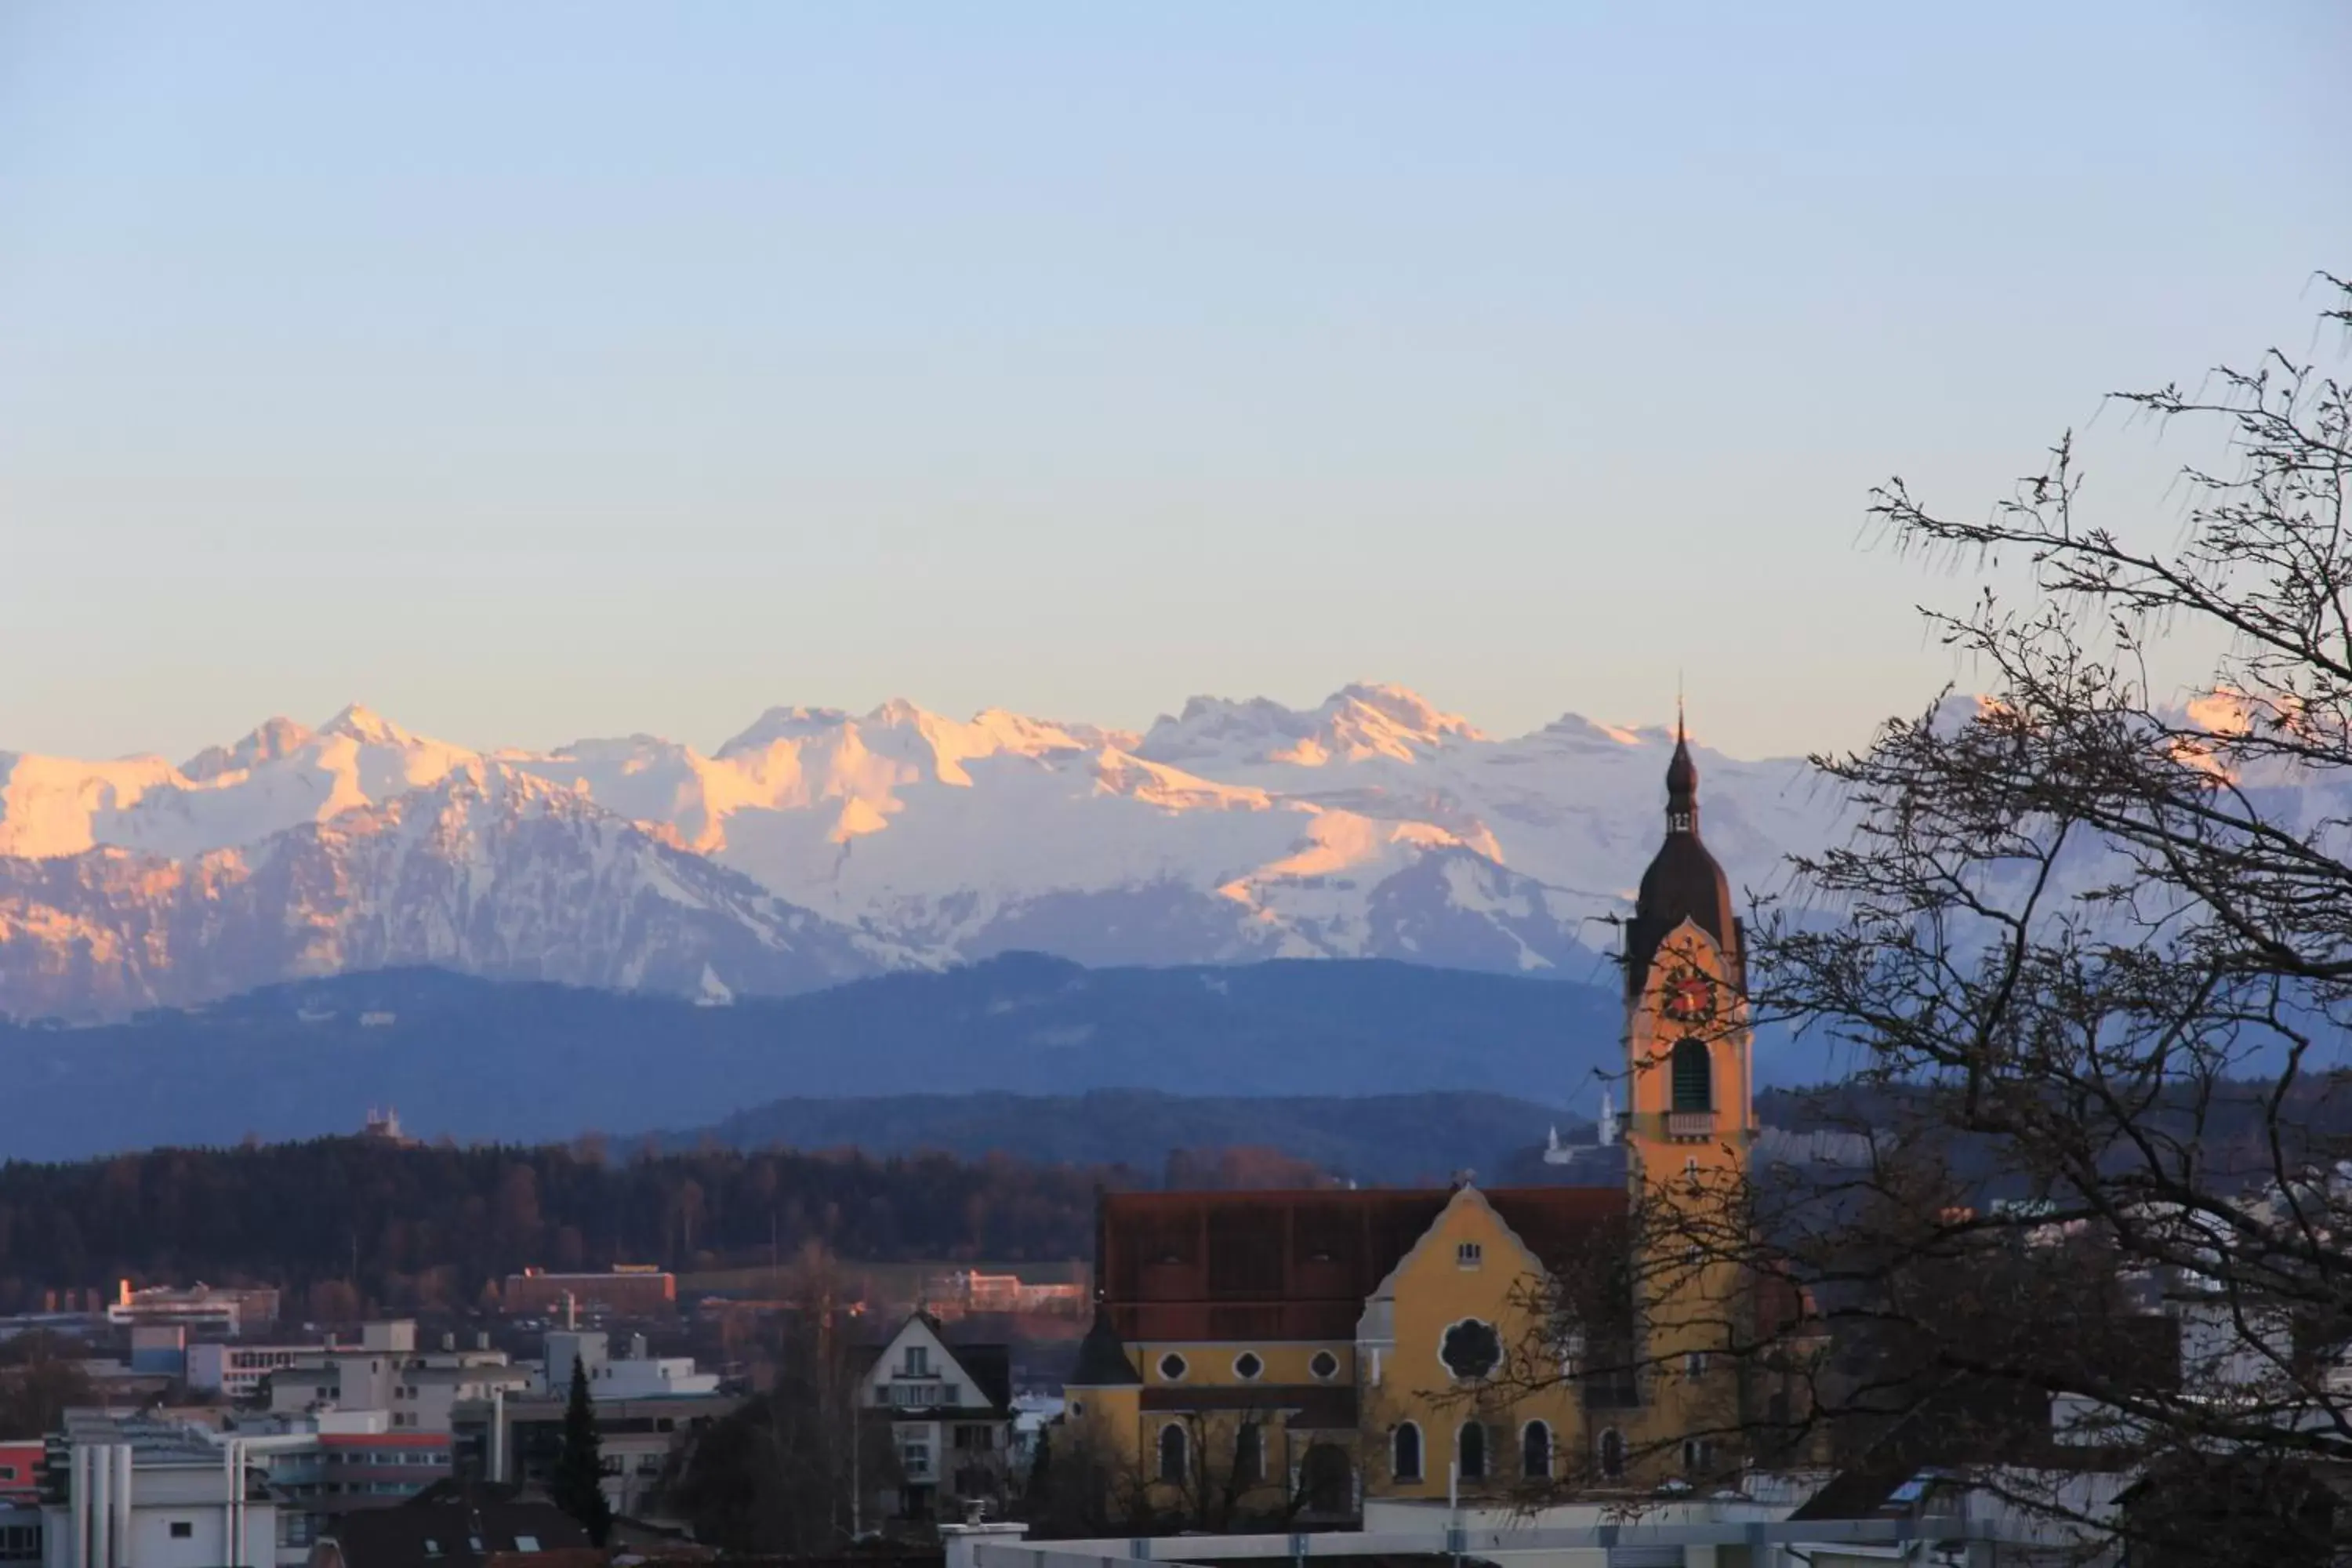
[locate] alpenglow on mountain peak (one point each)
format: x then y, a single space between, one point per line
820 843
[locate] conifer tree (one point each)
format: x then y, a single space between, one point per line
578 1484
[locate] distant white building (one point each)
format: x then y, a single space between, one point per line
635 1375
386 1372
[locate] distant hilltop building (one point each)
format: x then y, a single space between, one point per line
384 1127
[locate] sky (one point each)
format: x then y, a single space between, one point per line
531 371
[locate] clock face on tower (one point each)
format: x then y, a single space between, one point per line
1690 995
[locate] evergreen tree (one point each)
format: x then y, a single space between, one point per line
578 1485
1041 1464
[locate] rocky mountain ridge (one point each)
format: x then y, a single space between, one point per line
818 845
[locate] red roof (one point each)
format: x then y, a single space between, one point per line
1299 1265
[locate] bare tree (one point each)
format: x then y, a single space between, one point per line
2091 943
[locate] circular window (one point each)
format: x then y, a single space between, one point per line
1325 1366
1171 1367
1471 1349
1246 1366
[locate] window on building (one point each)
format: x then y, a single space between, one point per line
1535 1452
1405 1454
1695 1365
1324 1367
1175 1453
1249 1454
526 1543
1470 1451
1612 1454
1246 1366
184 1530
915 1458
1172 1367
918 1361
1077 1410
1693 1076
1469 1254
1698 1456
7 1472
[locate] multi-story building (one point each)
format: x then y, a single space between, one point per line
199 1309
20 1471
950 1413
629 1290
1266 1351
239 1369
324 1466
385 1370
517 1440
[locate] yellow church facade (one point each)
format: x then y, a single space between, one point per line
1260 1355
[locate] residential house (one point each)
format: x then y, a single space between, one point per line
950 1413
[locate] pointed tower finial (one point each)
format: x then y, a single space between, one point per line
1681 780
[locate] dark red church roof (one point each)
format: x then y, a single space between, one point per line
1299 1265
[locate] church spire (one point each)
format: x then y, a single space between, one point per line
1682 781
1683 882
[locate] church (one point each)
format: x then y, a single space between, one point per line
1289 1354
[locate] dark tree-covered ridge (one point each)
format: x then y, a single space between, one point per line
422 1229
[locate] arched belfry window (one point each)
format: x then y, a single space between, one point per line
1693 1076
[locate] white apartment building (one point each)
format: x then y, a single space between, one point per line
237 1369
386 1372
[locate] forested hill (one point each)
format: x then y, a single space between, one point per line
531 1062
428 1228
1384 1139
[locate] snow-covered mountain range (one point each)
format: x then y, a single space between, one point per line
818 845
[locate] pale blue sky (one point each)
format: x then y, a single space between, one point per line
534 371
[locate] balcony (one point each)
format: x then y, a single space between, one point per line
1690 1126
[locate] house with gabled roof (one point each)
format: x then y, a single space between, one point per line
949 1410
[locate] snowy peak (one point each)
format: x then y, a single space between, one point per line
369 728
1365 720
784 724
1356 723
275 738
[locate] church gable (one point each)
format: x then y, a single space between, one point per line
1466 1236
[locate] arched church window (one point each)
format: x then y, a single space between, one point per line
1612 1454
1249 1454
1470 1449
1404 1453
1693 1077
1535 1452
1173 1455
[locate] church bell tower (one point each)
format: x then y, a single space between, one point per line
1688 1081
